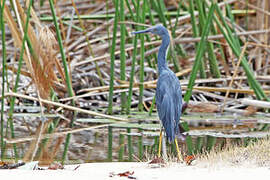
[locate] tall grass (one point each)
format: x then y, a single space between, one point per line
67 76
199 54
142 50
110 109
234 44
132 72
210 46
123 53
195 31
2 24
12 103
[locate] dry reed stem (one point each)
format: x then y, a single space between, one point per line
244 2
158 42
234 75
53 135
72 108
256 154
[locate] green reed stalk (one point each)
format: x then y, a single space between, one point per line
132 72
160 12
147 36
130 149
180 50
134 53
142 50
211 141
199 55
110 109
196 34
123 53
151 17
210 47
60 43
189 142
237 51
140 145
110 141
12 103
121 147
152 20
230 15
68 80
130 10
152 106
4 61
199 144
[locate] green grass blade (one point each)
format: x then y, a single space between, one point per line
180 50
142 50
132 72
152 106
121 147
161 11
110 109
130 148
130 10
140 145
211 141
199 144
12 103
199 55
110 142
123 53
134 53
4 60
237 51
68 80
210 47
189 143
196 34
151 17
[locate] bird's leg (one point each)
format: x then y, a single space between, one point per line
177 149
159 145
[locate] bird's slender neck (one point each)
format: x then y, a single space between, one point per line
162 53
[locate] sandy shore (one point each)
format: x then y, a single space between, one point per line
141 171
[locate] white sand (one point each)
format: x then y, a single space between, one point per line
141 171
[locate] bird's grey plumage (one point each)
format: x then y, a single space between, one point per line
168 91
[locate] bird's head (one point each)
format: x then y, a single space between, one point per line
159 30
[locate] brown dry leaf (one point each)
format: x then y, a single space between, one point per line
188 159
126 174
204 107
250 110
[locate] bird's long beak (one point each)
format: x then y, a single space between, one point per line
142 31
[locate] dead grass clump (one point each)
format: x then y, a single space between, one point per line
256 154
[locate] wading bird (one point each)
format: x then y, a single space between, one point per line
168 90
